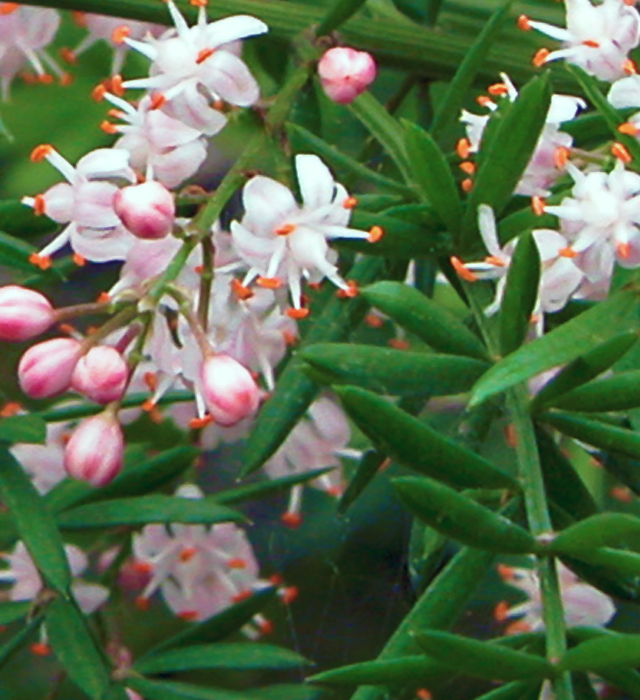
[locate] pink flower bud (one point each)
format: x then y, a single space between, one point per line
24 314
147 210
101 375
345 73
228 390
46 369
95 451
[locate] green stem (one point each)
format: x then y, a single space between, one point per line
206 281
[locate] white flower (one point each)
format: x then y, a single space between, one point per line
584 605
44 463
193 65
85 204
282 241
160 147
625 93
601 219
597 38
24 34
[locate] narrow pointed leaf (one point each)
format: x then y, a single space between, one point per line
429 321
262 489
339 13
610 651
295 391
394 372
75 649
616 315
520 294
35 523
601 530
417 445
30 429
482 660
239 657
462 519
615 561
11 611
609 579
605 437
585 368
147 509
432 175
405 670
170 690
368 467
618 393
219 626
449 109
518 690
507 156
19 639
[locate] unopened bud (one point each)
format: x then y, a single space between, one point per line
46 369
95 450
345 73
24 314
228 390
101 375
147 210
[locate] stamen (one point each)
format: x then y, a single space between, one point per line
538 205
158 100
39 648
243 293
560 157
237 563
423 694
11 408
188 615
376 233
116 114
498 89
148 406
120 33
467 185
45 79
501 611
41 261
151 380
506 573
285 229
620 152
142 567
623 250
291 520
495 260
511 436
198 423
79 260
463 148
468 167
98 92
298 314
590 42
622 494
8 8
79 18
523 23
462 271
39 205
116 85
204 55
66 79
373 321
567 252
398 344
518 626
266 627
351 293
41 152
350 202
629 67
540 57
243 595
68 56
187 554
484 100
289 338
142 603
289 595
269 282
276 580
629 129
199 3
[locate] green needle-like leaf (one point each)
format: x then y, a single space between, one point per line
30 429
610 651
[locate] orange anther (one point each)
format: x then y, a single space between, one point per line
376 233
523 23
41 152
148 406
197 423
620 152
198 269
289 595
79 18
115 84
158 100
266 627
351 293
629 129
243 595
540 57
116 114
518 627
335 491
500 612
505 572
66 328
511 436
67 55
463 148
79 260
462 270
218 105
103 298
590 42
6 8
142 603
289 338
567 252
45 79
316 286
629 67
468 167
622 494
631 3
187 554
269 282
237 563
39 205
276 580
350 202
11 408
41 261
98 92
498 89
285 229
623 250
188 615
291 520
243 293
495 260
423 694
66 79
398 344
467 184
484 100
108 127
373 321
142 567
120 33
538 205
151 380
560 157
40 649
204 55
155 415
199 3
298 314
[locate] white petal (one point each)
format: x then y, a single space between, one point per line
625 92
488 231
267 204
316 181
229 78
230 29
104 163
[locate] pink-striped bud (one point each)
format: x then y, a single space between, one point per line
46 369
101 375
95 451
228 390
147 210
345 73
24 314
